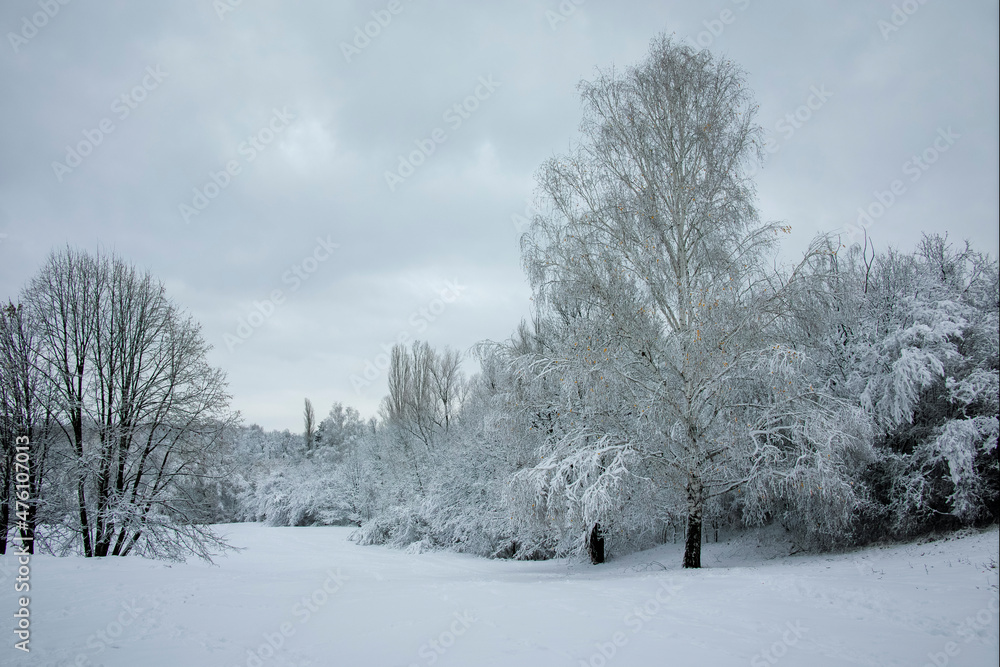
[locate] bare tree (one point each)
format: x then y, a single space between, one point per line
64 296
448 384
137 402
412 404
25 413
425 391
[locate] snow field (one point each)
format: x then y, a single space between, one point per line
309 596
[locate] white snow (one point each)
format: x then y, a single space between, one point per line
903 605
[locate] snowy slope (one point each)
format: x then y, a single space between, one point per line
325 601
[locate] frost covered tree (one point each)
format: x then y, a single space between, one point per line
650 260
909 340
919 347
448 385
341 428
309 424
426 389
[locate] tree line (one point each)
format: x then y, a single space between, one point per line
675 371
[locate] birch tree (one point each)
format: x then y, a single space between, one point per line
650 250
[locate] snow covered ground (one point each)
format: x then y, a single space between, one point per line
322 600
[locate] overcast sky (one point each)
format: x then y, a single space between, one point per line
121 119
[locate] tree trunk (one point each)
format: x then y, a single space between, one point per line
101 518
27 527
81 477
8 493
36 439
595 545
692 543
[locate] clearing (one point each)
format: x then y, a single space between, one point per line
325 601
